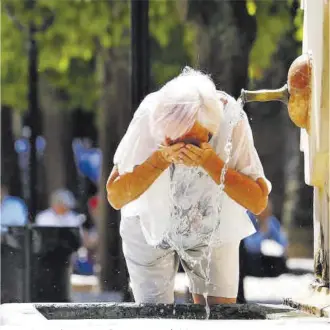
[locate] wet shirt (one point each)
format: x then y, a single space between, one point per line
193 215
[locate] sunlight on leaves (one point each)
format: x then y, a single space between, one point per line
251 7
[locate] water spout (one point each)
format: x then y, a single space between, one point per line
265 95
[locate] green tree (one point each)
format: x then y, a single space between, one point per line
82 29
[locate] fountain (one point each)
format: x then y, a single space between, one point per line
296 94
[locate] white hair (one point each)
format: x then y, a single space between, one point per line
190 97
63 197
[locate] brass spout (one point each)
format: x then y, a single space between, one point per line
266 95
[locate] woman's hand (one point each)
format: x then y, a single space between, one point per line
170 153
191 155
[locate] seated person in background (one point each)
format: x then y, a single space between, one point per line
263 254
60 213
13 210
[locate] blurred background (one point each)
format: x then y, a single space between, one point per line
72 75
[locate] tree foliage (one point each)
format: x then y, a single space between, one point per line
81 31
173 40
274 20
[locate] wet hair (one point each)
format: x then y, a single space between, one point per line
190 97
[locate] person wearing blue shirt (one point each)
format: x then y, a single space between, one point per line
268 228
13 210
263 254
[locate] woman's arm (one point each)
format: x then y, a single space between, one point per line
251 194
122 189
125 188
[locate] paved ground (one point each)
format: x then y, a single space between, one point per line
274 290
191 324
261 290
301 324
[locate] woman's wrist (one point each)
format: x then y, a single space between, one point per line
213 165
158 161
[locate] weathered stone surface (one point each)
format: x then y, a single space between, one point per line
316 303
131 310
161 317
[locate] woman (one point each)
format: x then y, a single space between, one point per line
167 182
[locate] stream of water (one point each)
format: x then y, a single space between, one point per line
181 227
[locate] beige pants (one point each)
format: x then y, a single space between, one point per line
152 271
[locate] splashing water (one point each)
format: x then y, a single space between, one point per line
183 228
228 148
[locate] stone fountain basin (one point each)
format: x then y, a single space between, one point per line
118 315
151 311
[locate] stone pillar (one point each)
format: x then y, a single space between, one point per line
322 257
315 145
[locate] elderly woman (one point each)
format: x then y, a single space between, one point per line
184 175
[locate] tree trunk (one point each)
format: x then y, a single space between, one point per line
113 122
59 164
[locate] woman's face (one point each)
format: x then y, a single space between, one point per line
196 135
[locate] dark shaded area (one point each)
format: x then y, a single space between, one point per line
50 260
9 161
